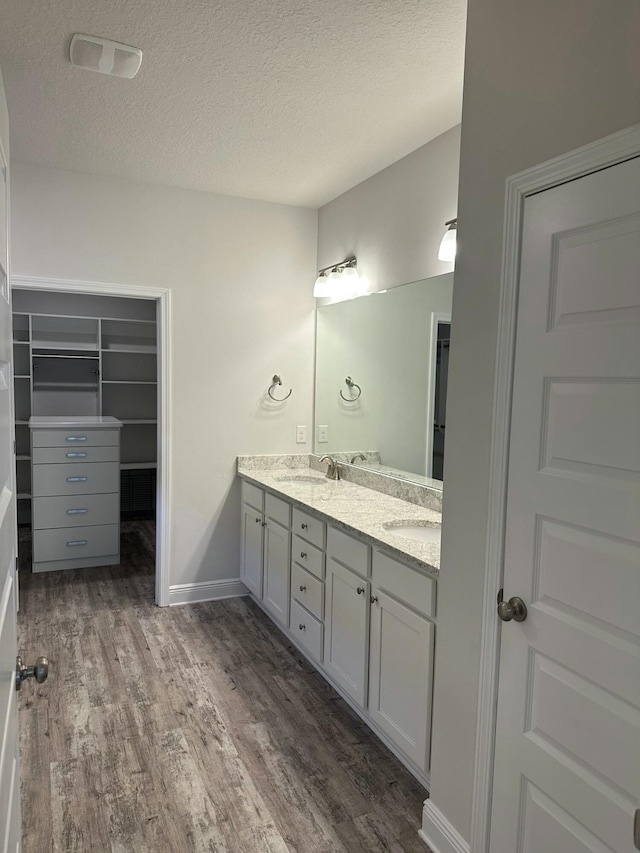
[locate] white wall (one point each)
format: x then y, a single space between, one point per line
241 274
541 79
394 221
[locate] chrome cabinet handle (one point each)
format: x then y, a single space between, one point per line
257 521
264 523
302 627
360 590
303 588
75 543
76 438
374 598
304 526
75 455
77 479
303 555
76 511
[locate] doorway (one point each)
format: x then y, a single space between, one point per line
86 348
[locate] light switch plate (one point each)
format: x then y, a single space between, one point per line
301 434
323 434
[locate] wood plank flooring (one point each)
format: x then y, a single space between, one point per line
195 728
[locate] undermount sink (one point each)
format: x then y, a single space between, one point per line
299 479
418 531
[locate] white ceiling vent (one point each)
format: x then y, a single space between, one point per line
107 57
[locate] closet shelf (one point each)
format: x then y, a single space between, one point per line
21 343
132 466
140 350
21 376
138 420
22 457
24 496
128 382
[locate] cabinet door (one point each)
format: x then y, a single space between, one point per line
277 571
401 675
251 558
346 630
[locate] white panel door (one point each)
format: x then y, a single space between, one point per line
346 629
251 550
401 675
567 764
9 772
277 571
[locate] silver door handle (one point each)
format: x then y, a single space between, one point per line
77 479
39 671
514 609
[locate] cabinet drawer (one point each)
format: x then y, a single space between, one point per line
309 527
71 511
70 543
278 510
88 478
347 550
307 630
75 437
252 495
405 583
56 455
308 590
307 555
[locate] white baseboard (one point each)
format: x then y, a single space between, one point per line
438 833
192 593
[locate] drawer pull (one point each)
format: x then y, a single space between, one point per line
75 455
77 479
76 438
75 543
76 511
303 588
304 526
374 599
360 590
303 554
302 627
257 521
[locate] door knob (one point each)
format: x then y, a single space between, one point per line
39 671
514 609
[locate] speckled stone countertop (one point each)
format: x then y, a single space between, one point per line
355 509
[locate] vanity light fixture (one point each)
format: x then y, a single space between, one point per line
447 250
340 279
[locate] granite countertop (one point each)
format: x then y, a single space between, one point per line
355 509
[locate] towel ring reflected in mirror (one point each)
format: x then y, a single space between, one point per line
275 382
351 385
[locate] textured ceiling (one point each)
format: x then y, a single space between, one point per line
293 101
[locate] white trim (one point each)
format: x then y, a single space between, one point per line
163 297
597 155
192 593
436 317
438 834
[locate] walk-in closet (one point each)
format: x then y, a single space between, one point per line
85 359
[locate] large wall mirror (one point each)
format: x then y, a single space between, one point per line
381 379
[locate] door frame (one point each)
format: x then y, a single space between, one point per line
162 296
437 317
593 157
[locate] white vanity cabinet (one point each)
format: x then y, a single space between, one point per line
366 619
401 656
277 558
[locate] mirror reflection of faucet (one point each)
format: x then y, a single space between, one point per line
333 469
358 456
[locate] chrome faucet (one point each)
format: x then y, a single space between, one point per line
358 456
333 469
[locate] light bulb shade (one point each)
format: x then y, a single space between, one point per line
352 285
447 250
323 287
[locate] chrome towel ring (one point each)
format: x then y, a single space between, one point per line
351 385
277 381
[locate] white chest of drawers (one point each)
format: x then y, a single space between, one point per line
75 476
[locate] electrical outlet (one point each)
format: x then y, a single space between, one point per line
323 434
301 434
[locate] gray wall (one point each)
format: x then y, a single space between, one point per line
394 221
541 79
241 277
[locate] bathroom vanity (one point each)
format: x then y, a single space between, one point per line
330 563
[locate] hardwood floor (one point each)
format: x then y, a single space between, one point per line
195 728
